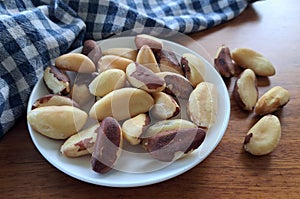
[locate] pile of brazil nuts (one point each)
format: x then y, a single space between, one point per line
138 95
265 135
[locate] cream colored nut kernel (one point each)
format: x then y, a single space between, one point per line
272 100
248 58
75 62
54 100
57 122
122 104
108 146
245 90
56 81
92 50
81 143
223 62
153 42
168 125
107 81
264 136
194 68
141 77
165 106
80 91
127 53
168 62
112 61
176 84
146 58
81 94
134 127
168 146
203 104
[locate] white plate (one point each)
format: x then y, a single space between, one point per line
138 171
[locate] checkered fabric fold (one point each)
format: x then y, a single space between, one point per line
33 33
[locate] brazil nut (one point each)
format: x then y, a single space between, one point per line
127 53
248 58
108 146
81 143
168 125
141 77
168 146
107 81
92 50
272 100
113 61
194 68
146 58
223 62
133 128
76 62
56 81
245 90
153 42
165 106
176 85
80 91
202 105
122 104
168 62
53 100
264 136
57 122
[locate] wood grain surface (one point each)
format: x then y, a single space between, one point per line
269 27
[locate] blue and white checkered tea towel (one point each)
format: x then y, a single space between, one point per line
33 33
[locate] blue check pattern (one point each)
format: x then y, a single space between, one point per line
33 33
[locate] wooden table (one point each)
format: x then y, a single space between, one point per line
270 27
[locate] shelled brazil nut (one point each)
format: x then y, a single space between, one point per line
56 81
263 137
245 90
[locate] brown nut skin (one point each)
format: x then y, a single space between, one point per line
147 58
56 81
154 43
76 62
168 62
166 145
176 84
272 100
127 53
245 90
165 106
141 77
92 50
264 136
57 122
224 63
193 67
134 127
81 143
54 100
248 58
108 146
